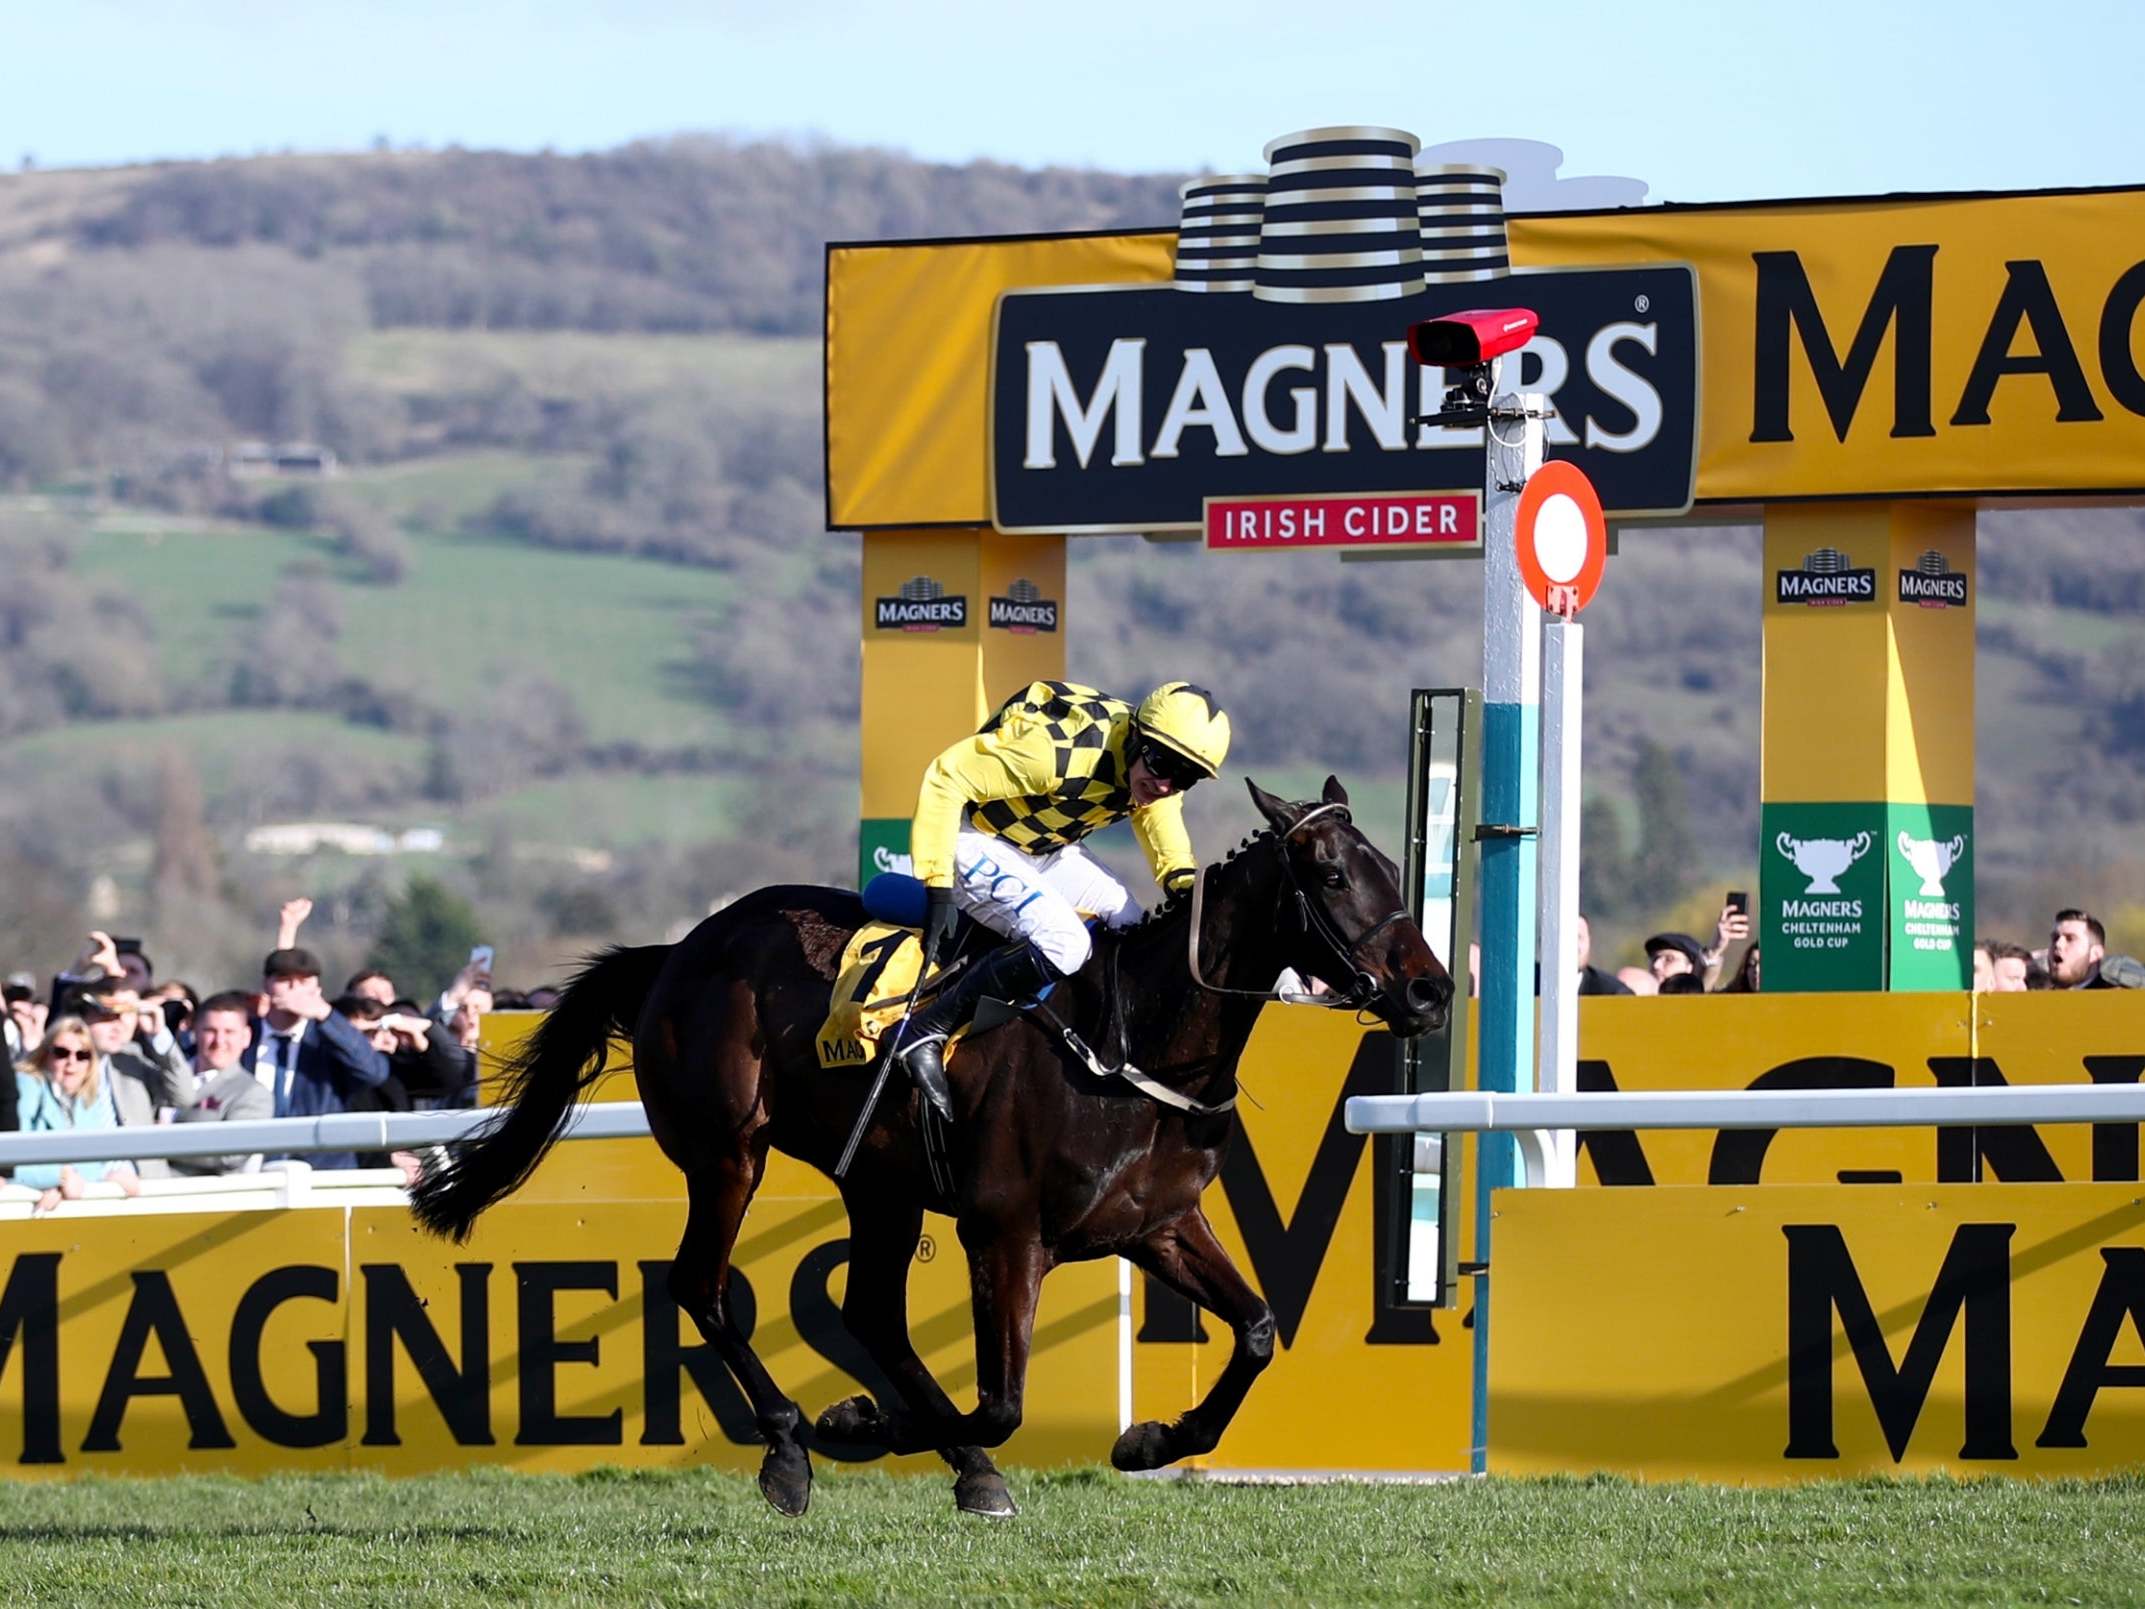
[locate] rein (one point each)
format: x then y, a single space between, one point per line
1153 1088
1362 988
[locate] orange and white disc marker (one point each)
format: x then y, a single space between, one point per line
1562 539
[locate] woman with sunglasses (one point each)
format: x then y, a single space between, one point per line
998 829
61 1089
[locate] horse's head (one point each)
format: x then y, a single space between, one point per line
1344 920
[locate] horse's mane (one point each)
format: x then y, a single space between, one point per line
1180 901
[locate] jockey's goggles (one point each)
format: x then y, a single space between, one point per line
1170 766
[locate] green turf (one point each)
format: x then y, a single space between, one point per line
1083 1537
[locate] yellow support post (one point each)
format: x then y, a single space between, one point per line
955 621
1866 823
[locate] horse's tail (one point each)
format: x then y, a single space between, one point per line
544 1082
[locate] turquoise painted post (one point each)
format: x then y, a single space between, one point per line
1511 770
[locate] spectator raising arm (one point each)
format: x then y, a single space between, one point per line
290 919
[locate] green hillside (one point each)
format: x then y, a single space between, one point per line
569 600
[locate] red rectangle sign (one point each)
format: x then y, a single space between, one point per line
1443 520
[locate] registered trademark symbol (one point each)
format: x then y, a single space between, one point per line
1639 304
926 1248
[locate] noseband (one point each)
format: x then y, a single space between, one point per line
1362 987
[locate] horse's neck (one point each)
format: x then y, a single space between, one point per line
1170 1021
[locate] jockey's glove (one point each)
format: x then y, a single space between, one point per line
940 917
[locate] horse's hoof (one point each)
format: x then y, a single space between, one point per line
786 1480
855 1420
1144 1446
984 1495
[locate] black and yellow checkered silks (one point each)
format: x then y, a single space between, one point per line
1048 768
1091 787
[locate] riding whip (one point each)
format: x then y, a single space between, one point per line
886 1067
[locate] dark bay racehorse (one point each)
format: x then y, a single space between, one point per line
1050 1163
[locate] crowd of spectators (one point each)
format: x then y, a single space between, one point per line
110 1046
2075 957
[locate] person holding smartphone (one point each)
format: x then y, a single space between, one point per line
1732 929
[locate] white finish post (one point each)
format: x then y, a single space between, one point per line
1511 772
1563 670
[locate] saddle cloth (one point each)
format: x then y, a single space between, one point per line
871 990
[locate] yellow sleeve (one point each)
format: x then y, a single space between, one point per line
1160 830
1006 764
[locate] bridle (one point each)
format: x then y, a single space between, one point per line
1362 988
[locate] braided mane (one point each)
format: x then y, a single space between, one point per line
1181 899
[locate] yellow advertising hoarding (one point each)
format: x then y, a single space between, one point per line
344 1338
1765 1335
1901 344
1899 1041
1849 348
339 1338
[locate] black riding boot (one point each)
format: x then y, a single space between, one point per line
1010 974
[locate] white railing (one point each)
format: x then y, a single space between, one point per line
1535 1120
294 1184
281 1184
286 1136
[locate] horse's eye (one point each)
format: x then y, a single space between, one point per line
1335 878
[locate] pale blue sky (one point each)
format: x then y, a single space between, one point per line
1703 101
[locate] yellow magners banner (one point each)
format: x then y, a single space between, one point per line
1975 344
1969 344
1799 1333
1899 1041
341 1338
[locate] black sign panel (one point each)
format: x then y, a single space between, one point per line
1124 407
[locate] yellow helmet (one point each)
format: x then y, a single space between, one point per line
1186 720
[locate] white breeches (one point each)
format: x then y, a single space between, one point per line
1038 897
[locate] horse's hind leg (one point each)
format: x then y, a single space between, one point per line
1188 1258
882 1237
719 1190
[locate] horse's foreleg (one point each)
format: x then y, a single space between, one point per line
1005 1276
882 1236
719 1192
1188 1258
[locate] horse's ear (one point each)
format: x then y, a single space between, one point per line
1335 793
1276 811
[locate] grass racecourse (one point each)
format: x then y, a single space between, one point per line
1084 1537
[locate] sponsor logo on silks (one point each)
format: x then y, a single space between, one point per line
922 606
1023 610
1826 580
1932 583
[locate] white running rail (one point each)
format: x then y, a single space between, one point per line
1534 1118
296 1136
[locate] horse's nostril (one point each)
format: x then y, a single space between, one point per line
1423 996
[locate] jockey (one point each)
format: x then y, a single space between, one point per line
998 829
